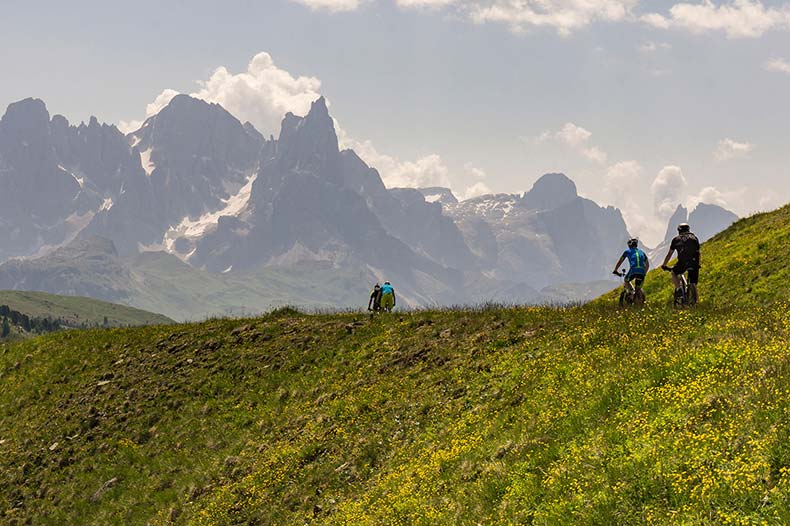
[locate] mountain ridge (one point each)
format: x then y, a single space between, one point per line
197 183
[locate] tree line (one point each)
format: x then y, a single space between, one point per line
27 323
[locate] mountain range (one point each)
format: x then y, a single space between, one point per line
197 213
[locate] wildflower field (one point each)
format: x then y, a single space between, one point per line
543 416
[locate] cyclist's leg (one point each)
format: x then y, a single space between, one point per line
693 279
677 270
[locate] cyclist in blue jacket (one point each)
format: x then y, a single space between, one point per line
639 265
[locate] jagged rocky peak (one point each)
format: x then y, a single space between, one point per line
309 144
708 220
25 121
550 191
680 215
185 119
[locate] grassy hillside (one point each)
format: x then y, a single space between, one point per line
744 264
541 416
76 311
537 416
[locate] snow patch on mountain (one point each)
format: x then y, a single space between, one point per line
195 229
148 165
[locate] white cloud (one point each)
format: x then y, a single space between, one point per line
624 183
655 20
710 195
652 47
738 19
428 170
262 94
474 172
562 15
778 65
334 6
577 138
475 190
425 4
668 188
728 149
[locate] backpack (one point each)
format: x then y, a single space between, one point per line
688 247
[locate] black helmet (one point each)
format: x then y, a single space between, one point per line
683 228
633 242
376 286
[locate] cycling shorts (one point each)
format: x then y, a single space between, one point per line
692 268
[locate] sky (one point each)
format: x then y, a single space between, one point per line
645 104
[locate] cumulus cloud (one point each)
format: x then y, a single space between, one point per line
577 138
652 47
474 172
728 149
655 20
262 94
624 183
425 4
334 6
713 196
428 170
668 188
564 16
475 190
777 65
738 19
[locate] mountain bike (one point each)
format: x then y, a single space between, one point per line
632 295
689 297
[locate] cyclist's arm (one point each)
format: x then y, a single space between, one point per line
394 300
669 256
619 262
647 266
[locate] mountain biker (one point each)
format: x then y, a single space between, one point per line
687 246
639 265
387 297
374 303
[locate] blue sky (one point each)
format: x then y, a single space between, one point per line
644 105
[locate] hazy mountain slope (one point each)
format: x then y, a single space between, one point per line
548 236
76 311
302 208
89 267
705 220
160 282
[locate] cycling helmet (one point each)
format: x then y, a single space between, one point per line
683 228
633 243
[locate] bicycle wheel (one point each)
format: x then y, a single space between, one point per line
678 298
623 299
639 297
